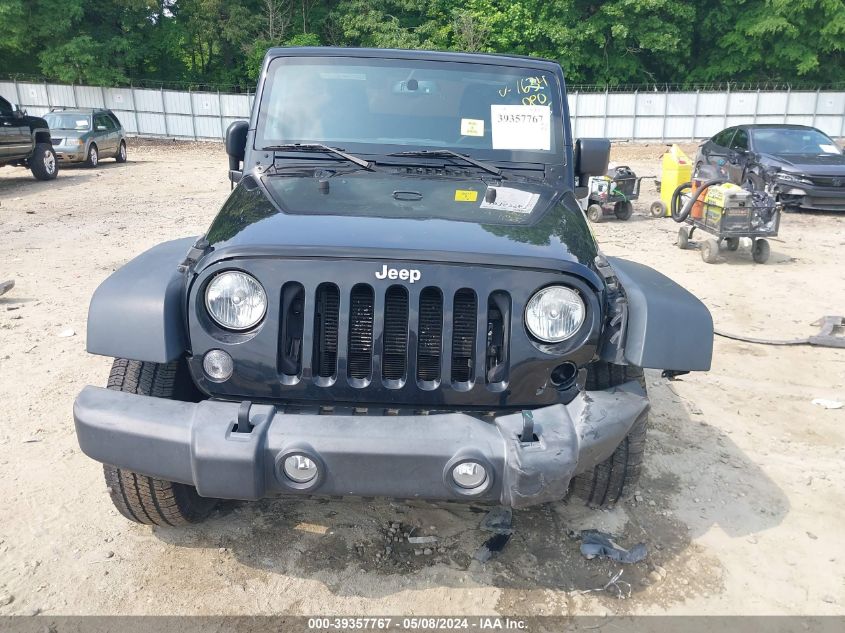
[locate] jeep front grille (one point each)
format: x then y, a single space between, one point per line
400 334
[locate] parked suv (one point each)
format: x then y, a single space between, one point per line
87 135
400 298
25 140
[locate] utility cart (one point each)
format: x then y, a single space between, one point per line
728 213
612 194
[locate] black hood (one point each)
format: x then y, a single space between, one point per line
384 215
812 164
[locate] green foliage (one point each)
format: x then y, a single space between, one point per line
223 42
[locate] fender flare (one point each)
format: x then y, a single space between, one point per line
667 327
138 312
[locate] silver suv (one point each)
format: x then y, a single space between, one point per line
86 135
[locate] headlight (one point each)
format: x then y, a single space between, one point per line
554 314
794 178
236 300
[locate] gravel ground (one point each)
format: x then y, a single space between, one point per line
741 503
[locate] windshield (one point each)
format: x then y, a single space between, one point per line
383 106
793 141
68 121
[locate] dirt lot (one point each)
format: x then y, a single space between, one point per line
741 505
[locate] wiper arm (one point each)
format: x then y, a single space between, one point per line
489 168
319 147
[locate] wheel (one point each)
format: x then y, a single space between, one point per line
595 213
683 238
761 251
617 476
710 251
93 156
137 497
623 210
43 163
658 209
732 243
120 157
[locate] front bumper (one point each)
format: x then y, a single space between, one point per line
812 196
385 456
70 153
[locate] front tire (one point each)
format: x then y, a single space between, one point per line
623 210
92 159
43 163
615 477
761 250
137 497
595 213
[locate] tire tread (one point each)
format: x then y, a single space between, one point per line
614 478
138 497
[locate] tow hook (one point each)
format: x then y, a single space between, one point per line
528 436
244 425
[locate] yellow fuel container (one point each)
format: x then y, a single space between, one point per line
677 169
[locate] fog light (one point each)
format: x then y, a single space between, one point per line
300 469
469 475
218 365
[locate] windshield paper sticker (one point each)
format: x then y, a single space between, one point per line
829 149
521 127
465 195
510 199
472 127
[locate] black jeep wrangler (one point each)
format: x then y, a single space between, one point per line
400 298
25 140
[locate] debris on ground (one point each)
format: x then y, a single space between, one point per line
492 545
67 333
595 543
828 404
6 286
421 540
498 520
614 583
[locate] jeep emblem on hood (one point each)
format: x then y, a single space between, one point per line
405 274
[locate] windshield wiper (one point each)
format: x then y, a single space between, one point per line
489 168
319 147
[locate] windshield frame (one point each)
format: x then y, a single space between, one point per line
559 143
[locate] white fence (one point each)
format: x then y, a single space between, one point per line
142 111
643 115
665 115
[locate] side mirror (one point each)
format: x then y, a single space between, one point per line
592 156
18 113
236 148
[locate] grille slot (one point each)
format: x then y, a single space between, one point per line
395 339
360 357
290 336
429 346
463 335
326 310
498 336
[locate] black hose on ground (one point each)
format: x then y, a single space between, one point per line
679 215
